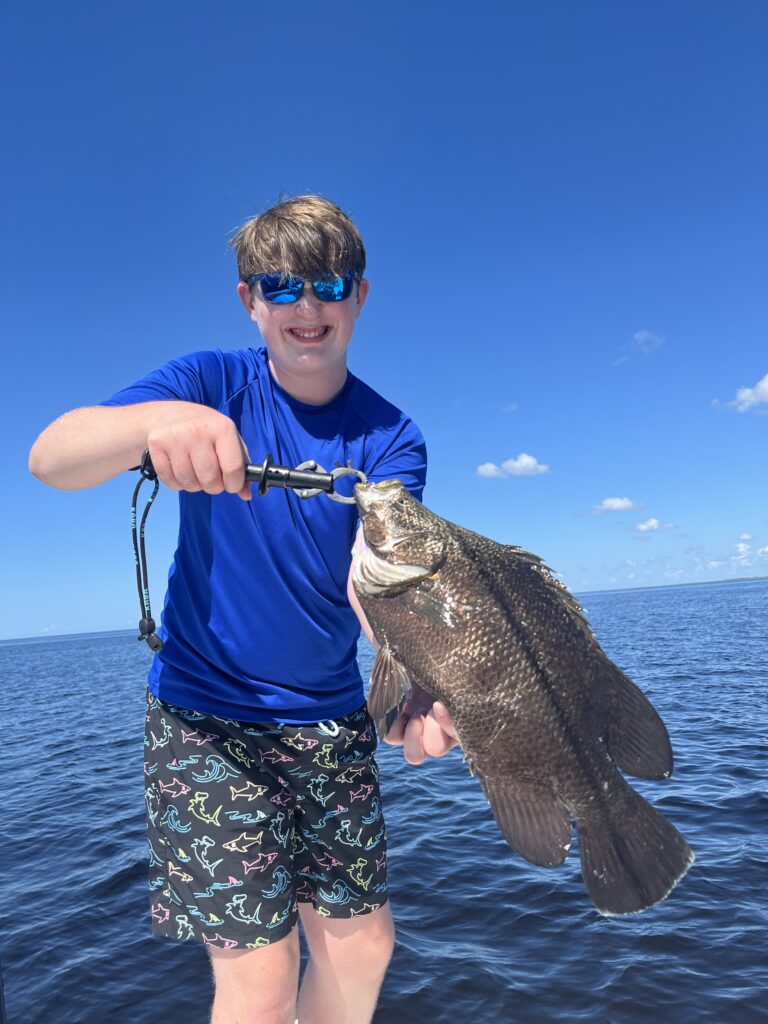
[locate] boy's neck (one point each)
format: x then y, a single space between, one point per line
315 390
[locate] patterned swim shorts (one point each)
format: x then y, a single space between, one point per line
245 820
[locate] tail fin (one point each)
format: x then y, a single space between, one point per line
631 858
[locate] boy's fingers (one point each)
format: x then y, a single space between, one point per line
246 491
436 742
233 456
162 466
444 719
423 733
413 740
174 470
207 470
395 735
183 471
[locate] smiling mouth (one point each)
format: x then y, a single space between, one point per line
309 333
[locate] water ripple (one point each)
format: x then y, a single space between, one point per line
482 935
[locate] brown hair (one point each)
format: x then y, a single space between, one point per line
305 236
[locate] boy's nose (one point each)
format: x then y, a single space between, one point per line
308 302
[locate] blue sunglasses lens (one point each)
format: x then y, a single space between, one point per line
278 289
281 289
336 289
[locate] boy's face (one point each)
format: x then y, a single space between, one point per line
306 338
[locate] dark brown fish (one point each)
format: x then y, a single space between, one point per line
544 718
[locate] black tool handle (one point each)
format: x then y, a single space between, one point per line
266 475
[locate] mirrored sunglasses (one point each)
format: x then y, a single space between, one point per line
279 289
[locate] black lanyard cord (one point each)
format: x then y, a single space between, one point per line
147 623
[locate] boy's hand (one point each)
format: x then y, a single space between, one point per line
196 448
423 729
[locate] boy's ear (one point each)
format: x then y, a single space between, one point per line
362 294
245 296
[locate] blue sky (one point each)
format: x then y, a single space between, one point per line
564 208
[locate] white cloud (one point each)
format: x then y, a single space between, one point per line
489 469
749 398
614 505
714 565
649 524
523 465
652 524
675 574
643 343
743 553
646 341
745 556
512 407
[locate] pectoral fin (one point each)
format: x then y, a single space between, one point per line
390 685
430 607
532 820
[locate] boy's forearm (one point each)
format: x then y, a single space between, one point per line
87 446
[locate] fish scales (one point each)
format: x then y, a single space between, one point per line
479 695
542 715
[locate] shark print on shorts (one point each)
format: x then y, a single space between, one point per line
245 820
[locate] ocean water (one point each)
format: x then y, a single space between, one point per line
482 935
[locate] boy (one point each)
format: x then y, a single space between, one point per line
261 784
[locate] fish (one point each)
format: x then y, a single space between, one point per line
545 720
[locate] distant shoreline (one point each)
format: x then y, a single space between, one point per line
670 586
577 593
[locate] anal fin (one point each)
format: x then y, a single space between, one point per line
533 820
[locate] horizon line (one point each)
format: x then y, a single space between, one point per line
576 593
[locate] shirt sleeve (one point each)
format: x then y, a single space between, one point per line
199 377
403 458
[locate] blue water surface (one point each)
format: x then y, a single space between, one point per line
482 935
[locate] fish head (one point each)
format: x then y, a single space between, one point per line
403 541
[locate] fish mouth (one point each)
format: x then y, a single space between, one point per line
367 495
375 572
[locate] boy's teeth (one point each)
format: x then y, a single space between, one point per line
314 333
